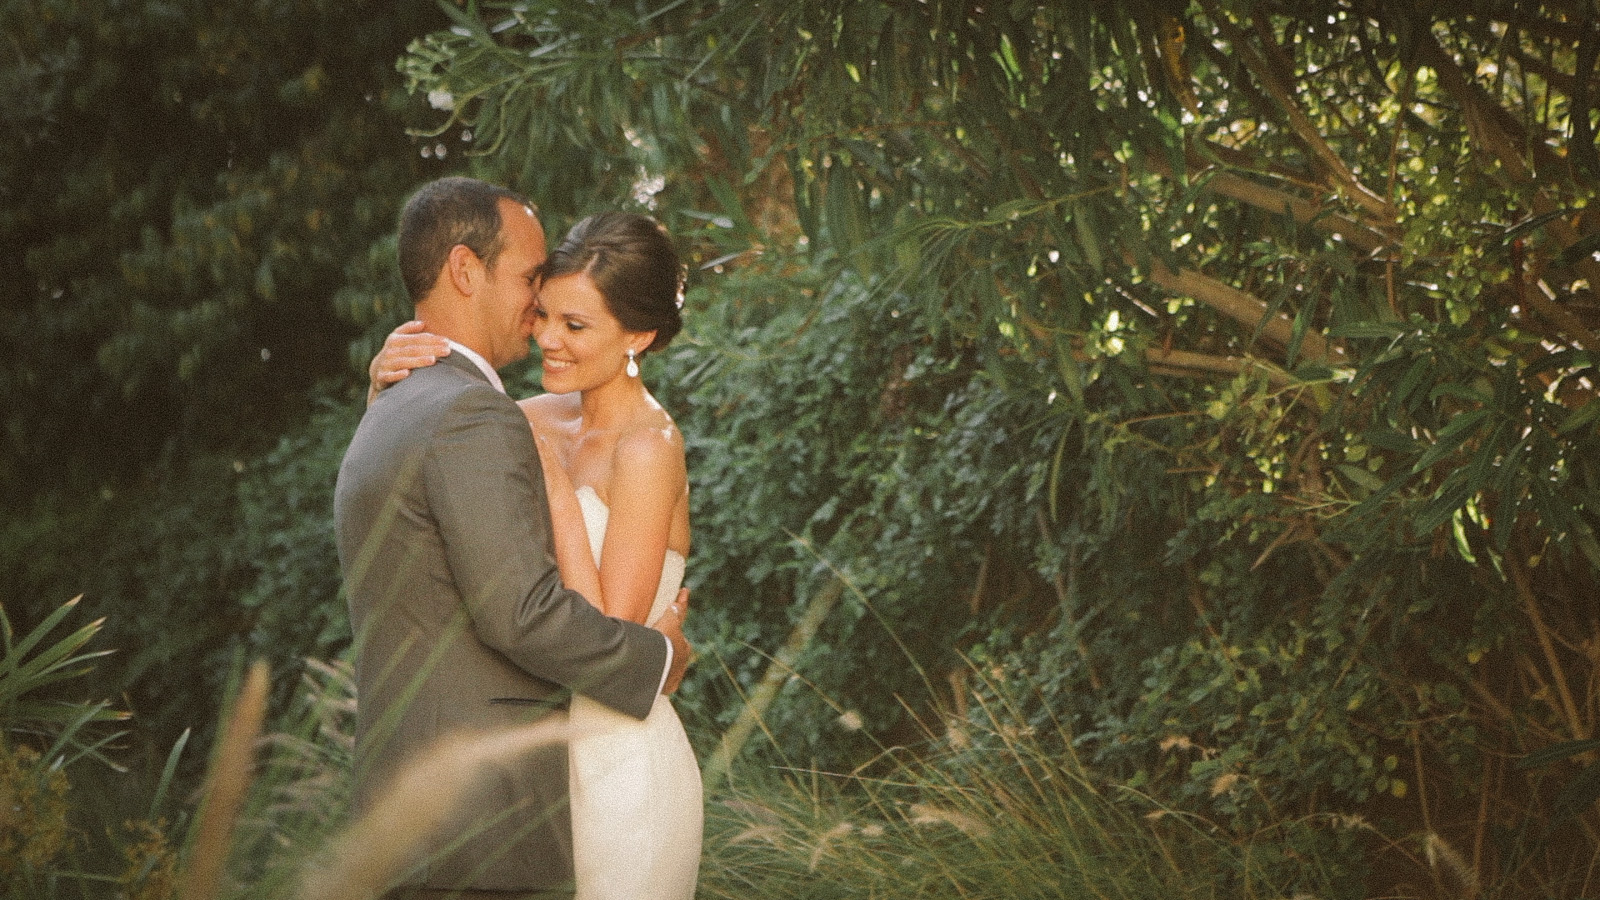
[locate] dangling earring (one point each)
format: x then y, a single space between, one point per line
633 365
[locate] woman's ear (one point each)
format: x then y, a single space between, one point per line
640 341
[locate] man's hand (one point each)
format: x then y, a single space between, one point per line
671 625
407 347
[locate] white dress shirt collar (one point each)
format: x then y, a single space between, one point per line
480 362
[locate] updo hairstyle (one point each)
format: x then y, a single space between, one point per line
633 264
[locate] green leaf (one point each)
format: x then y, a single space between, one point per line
1383 493
1384 330
1087 241
466 18
1071 371
1461 392
1055 473
58 713
168 772
1580 417
1420 369
1361 476
1544 756
15 653
1479 472
1505 519
1451 436
1528 226
21 674
1581 250
82 714
1561 359
1450 497
807 201
1389 439
1297 331
844 208
729 201
1011 211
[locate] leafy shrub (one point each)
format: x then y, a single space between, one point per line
833 437
33 830
43 741
227 555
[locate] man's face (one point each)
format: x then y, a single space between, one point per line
511 285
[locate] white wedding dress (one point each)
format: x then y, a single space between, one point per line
637 809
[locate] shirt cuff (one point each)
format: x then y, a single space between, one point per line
667 669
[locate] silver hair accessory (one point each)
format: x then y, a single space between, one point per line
633 365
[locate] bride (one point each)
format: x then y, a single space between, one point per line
618 486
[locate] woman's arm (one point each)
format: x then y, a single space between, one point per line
648 479
407 347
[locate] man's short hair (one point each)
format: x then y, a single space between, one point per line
442 214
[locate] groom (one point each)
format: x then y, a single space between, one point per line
461 622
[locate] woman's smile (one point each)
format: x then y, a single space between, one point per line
581 343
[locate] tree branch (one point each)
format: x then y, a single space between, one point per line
1242 307
1364 236
1188 364
1299 122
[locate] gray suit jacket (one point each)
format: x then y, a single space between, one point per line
461 621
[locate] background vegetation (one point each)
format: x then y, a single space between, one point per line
1199 393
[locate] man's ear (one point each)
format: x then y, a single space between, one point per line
464 269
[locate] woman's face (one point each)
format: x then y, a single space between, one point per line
581 342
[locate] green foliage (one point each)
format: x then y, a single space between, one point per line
189 183
1217 375
34 833
301 791
51 822
237 557
44 739
1233 358
29 666
284 534
188 203
827 437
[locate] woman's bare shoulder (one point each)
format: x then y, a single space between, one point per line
550 410
651 438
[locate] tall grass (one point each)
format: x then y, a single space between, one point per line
302 790
981 808
996 813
